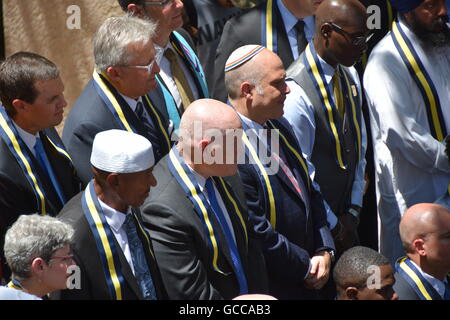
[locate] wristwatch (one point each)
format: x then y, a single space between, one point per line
354 212
332 255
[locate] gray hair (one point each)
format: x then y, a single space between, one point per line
33 236
247 72
115 35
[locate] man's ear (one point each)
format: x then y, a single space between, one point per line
113 180
326 29
113 74
351 293
37 266
19 105
136 10
246 90
419 246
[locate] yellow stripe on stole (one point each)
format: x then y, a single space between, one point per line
146 237
415 278
16 146
105 242
423 81
236 208
13 286
325 97
390 14
60 150
272 211
161 127
113 100
300 159
269 26
355 120
191 187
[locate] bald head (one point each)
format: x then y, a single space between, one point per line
421 220
341 12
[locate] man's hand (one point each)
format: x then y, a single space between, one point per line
320 271
348 235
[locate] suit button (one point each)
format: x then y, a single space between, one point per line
345 130
347 150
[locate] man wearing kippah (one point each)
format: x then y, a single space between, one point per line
110 246
283 26
408 94
285 208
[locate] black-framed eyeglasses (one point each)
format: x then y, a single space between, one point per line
356 40
164 3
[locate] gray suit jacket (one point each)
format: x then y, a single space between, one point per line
181 244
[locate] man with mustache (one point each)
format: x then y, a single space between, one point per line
324 108
408 94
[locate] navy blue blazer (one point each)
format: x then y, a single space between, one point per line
301 227
90 115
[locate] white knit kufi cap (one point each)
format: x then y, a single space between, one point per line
120 151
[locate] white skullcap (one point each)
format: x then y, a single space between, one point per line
120 151
242 55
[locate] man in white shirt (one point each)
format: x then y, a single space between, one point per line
409 114
425 235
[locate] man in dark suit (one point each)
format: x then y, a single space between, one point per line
110 245
117 96
362 273
424 273
283 26
287 212
36 173
181 77
197 218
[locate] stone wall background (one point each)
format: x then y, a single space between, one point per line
40 26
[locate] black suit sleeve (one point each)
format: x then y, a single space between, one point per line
322 235
291 260
183 273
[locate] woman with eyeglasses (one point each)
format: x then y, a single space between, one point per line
37 250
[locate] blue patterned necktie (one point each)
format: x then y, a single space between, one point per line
44 163
141 269
243 288
142 116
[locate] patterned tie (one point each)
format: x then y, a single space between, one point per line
184 89
338 98
143 118
301 38
243 289
141 269
45 165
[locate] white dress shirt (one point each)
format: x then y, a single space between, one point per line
28 138
202 182
290 21
115 220
166 75
438 285
299 111
410 165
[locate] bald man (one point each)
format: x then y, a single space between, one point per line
423 273
196 215
328 123
287 211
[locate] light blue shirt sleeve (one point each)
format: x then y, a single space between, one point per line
299 111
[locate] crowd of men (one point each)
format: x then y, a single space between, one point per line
249 178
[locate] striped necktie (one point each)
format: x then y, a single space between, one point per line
184 89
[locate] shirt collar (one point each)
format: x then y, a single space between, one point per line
200 179
438 285
131 102
327 69
114 218
28 138
250 123
289 19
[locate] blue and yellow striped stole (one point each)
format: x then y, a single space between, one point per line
325 93
188 182
413 276
268 188
268 31
423 81
23 157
